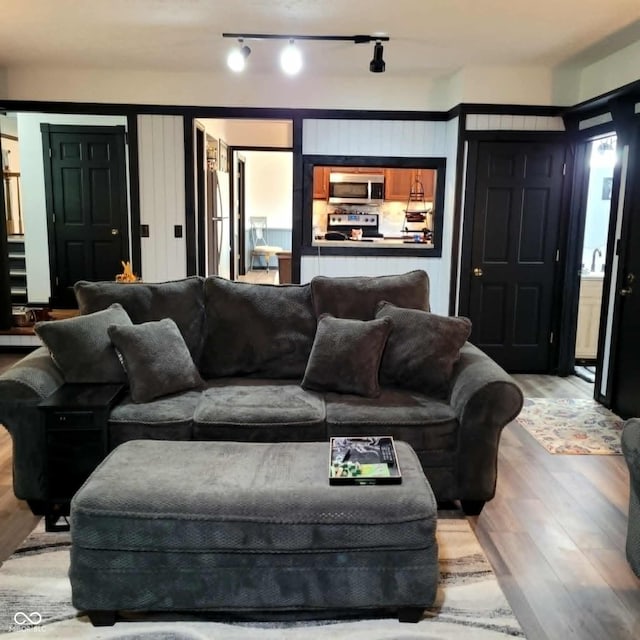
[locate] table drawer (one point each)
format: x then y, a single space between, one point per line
65 419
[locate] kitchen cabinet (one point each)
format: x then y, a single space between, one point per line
321 183
398 183
588 317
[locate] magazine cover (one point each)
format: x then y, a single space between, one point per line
363 460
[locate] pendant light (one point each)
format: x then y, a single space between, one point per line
291 59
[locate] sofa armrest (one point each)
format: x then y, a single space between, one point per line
631 449
485 398
22 387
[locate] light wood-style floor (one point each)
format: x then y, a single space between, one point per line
554 533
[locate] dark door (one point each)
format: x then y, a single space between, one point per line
511 271
625 363
86 205
240 216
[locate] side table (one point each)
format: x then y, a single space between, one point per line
76 424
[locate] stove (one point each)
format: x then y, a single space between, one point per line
344 222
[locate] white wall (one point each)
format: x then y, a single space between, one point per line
33 194
162 197
388 138
269 187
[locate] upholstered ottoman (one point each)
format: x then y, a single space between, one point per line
250 528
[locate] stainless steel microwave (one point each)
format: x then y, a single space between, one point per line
356 188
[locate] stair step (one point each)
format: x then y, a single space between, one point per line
17 272
18 291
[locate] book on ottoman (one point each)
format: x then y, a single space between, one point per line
363 460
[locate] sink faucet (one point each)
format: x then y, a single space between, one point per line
593 258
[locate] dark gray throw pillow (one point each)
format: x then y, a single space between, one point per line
180 300
358 296
345 356
156 358
259 330
422 348
81 346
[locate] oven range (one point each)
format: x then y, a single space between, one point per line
345 222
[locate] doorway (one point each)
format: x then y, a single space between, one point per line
510 249
602 161
87 213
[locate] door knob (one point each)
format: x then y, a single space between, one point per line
626 291
477 272
631 278
114 232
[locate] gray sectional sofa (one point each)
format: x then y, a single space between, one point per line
268 363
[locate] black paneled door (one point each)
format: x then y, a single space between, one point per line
514 248
86 205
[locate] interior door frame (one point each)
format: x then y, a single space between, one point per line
5 281
46 131
473 140
627 126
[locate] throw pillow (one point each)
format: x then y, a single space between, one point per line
345 356
180 300
156 358
257 329
357 297
81 346
422 348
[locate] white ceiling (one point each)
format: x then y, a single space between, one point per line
429 38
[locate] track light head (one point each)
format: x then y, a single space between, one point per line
377 65
291 59
237 59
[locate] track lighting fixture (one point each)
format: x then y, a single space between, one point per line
291 57
377 65
237 59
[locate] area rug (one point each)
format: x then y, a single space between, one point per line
572 426
35 596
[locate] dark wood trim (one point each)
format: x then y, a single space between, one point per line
299 205
8 136
457 216
134 193
200 187
628 133
45 130
598 104
309 161
516 136
189 194
6 319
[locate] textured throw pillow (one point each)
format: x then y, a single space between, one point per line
422 348
357 297
81 346
156 359
345 356
180 300
257 329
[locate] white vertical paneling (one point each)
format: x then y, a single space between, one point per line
162 196
596 120
394 138
509 122
404 138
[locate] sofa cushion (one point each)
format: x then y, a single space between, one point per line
166 418
259 411
257 329
346 355
81 346
357 297
422 349
180 300
156 358
425 423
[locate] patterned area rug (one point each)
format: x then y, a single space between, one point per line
572 426
35 596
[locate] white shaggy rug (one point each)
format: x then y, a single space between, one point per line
35 601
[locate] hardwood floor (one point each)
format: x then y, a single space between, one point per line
554 533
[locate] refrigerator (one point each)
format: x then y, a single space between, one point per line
218 224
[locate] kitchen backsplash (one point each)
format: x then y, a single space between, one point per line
391 214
